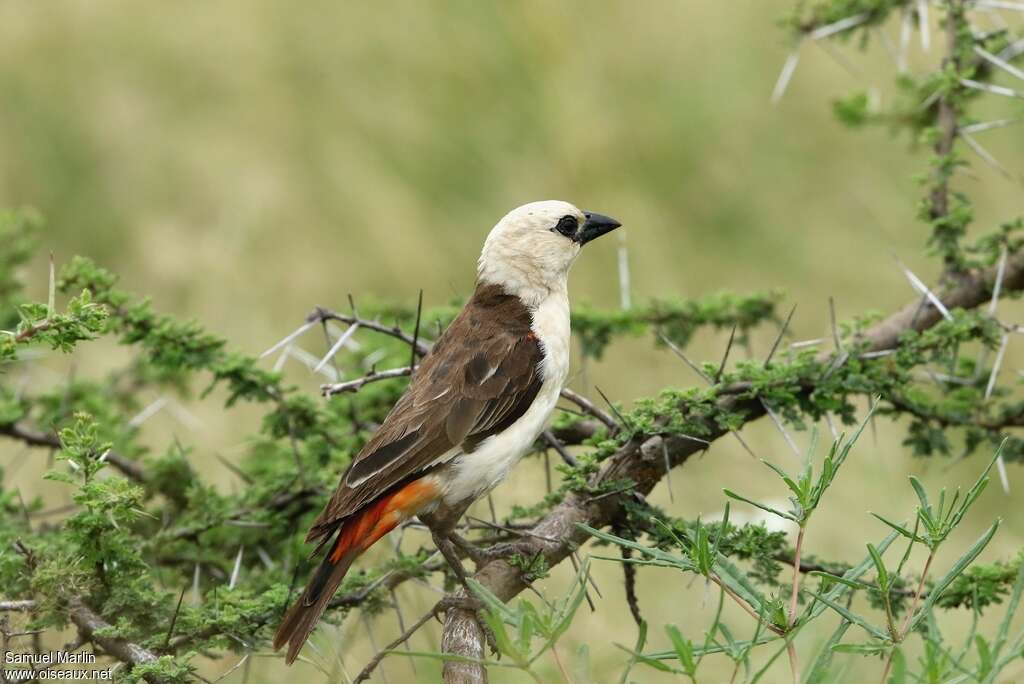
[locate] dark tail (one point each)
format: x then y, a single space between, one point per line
302 617
356 534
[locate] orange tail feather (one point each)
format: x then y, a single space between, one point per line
357 534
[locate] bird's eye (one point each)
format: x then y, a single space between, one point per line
566 225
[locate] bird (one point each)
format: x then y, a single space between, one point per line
473 407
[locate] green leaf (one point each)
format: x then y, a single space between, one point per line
958 568
900 528
1011 609
763 507
657 554
853 584
683 648
898 674
922 495
853 573
797 490
851 616
819 669
883 574
861 649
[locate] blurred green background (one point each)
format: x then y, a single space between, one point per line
240 162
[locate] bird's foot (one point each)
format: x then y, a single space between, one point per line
468 602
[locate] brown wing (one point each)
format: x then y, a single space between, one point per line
479 378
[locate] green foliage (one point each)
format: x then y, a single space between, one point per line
144 529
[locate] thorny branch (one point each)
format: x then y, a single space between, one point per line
37 438
638 461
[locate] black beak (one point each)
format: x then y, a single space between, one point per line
594 227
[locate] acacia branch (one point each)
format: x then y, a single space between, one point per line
38 438
89 623
640 460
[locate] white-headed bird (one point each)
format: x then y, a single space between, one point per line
475 403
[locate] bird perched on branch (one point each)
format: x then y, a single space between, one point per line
474 405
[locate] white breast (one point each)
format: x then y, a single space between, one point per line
476 473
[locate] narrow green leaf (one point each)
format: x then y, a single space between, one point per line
683 648
853 584
797 490
899 528
958 568
1011 608
657 554
883 574
861 649
819 669
851 616
733 495
853 573
898 674
922 495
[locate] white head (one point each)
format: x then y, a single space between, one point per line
530 250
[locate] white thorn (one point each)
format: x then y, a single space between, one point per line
806 343
1004 479
785 75
1000 273
1001 4
183 415
778 423
282 357
196 596
337 345
877 354
989 125
923 25
985 155
237 569
302 328
838 26
1005 66
989 88
919 285
148 412
906 27
995 366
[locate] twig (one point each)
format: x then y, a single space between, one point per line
622 419
557 445
782 332
331 389
725 356
319 313
588 408
416 332
364 675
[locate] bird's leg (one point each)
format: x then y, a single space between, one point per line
483 556
469 601
445 545
441 523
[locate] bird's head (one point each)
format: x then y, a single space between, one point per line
530 250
